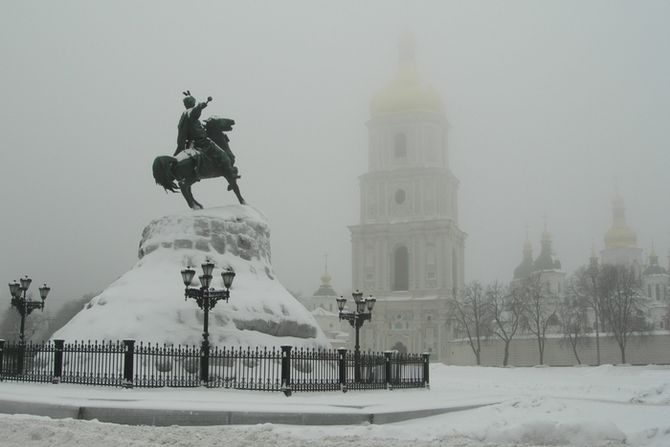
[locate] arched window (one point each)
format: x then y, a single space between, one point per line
400 145
400 269
400 196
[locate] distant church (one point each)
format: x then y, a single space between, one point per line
407 249
323 307
620 249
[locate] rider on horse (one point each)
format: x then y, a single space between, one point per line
191 131
213 157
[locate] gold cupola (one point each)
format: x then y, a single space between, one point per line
620 235
405 92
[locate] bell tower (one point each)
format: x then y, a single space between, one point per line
407 242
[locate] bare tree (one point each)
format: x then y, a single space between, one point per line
585 286
623 303
572 317
470 311
505 307
539 308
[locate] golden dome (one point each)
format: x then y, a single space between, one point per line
406 92
620 235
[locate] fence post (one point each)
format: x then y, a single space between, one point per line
21 357
286 369
204 363
387 369
426 369
2 350
342 366
128 366
58 361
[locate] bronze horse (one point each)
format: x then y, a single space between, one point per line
192 165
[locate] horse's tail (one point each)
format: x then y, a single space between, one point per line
163 169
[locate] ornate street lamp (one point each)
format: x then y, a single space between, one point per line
206 298
356 319
25 306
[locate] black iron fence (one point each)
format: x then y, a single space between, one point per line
130 364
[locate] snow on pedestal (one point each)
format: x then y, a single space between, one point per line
147 303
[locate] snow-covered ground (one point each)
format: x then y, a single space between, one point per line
582 406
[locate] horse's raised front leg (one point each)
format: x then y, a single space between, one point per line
188 195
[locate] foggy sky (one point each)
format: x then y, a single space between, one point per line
550 104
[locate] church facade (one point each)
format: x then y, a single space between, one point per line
407 249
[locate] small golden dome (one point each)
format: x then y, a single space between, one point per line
405 92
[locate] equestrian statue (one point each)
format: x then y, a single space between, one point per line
202 152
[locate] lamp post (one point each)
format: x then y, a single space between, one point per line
25 307
206 298
356 319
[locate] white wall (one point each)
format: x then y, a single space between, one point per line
642 349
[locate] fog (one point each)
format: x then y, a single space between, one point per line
551 107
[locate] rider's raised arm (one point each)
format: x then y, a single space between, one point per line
197 110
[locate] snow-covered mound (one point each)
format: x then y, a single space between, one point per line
147 303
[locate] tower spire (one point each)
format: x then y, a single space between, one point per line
524 269
325 278
619 235
653 259
545 260
406 51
